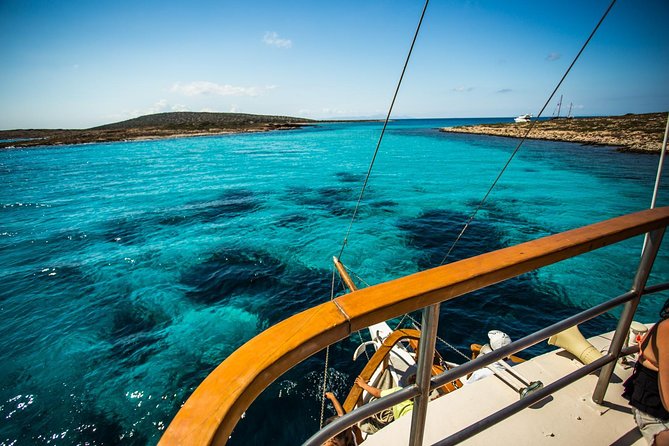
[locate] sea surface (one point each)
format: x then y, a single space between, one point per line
129 270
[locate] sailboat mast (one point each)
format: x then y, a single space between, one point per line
559 106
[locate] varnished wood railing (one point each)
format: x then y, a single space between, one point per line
212 411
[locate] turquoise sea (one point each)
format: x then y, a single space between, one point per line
130 270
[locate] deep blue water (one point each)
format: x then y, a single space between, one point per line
130 270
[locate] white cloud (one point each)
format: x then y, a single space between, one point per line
210 88
334 112
158 107
162 106
337 113
271 38
198 88
553 57
463 89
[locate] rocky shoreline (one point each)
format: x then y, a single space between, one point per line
642 133
158 126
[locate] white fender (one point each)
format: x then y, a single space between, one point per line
361 348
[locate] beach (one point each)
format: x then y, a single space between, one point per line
641 133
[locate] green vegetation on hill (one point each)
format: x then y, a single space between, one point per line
630 132
161 125
199 120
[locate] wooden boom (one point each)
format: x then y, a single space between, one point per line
212 411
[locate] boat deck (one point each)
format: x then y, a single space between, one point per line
567 417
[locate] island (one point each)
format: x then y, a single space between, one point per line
155 126
641 133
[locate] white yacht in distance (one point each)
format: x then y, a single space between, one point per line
523 118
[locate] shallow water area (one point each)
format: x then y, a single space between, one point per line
130 270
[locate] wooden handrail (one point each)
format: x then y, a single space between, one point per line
214 408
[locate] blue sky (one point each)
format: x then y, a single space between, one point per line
77 64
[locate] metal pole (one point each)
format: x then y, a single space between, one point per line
660 165
658 177
428 338
651 246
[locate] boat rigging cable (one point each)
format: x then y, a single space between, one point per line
522 140
414 322
362 192
485 197
383 131
327 360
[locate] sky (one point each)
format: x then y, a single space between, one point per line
82 63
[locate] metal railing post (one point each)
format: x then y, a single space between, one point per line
650 248
428 338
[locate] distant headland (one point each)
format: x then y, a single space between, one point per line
629 133
156 126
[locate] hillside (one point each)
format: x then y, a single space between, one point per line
161 125
199 120
631 133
